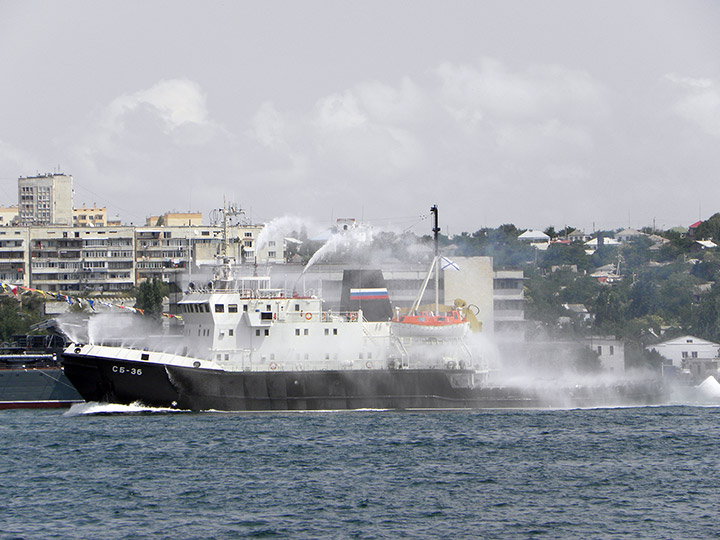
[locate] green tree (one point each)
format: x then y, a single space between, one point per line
709 229
587 361
149 297
18 315
635 254
610 307
565 254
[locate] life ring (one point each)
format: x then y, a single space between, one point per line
369 364
323 316
308 315
273 365
274 316
353 316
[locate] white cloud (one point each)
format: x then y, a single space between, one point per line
491 90
406 104
339 112
699 102
176 102
267 126
17 160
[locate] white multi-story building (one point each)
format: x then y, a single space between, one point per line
14 254
111 259
509 308
44 200
82 260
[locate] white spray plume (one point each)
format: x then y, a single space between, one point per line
280 228
346 241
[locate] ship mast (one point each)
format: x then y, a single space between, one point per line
228 211
436 230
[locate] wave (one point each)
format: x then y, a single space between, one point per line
93 407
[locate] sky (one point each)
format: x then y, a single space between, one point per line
595 115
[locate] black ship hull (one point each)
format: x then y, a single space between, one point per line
101 379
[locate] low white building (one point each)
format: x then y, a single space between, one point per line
611 352
684 350
627 235
532 236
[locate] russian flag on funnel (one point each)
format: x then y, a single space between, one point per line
368 294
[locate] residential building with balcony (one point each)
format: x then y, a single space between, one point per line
82 260
14 255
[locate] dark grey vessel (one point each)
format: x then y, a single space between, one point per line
31 375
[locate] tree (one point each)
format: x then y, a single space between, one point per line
610 308
565 254
709 229
149 297
17 316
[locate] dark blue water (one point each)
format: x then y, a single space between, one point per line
605 473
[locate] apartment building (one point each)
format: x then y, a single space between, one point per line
508 308
14 254
175 219
82 260
8 215
90 217
44 200
115 259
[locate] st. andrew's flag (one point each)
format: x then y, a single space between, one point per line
446 263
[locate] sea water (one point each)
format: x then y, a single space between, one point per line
132 473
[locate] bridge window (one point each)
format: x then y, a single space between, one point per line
219 308
232 308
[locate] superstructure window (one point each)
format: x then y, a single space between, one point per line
232 308
219 308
